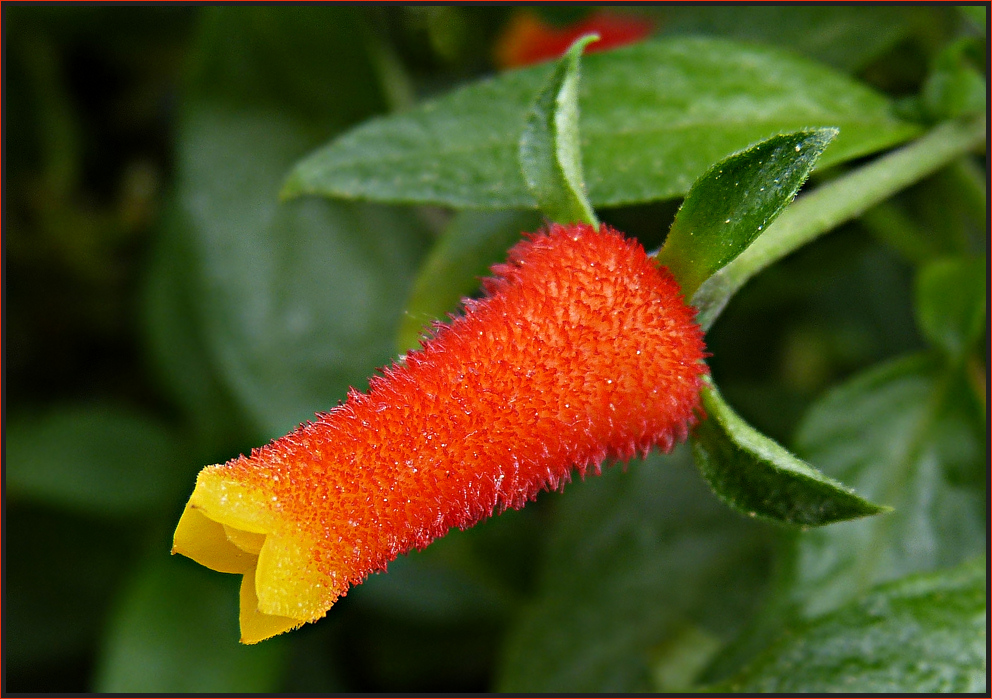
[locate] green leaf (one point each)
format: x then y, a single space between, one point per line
835 202
100 459
294 303
950 303
956 86
908 433
176 344
653 117
550 155
175 630
297 301
735 200
471 243
634 575
758 477
923 634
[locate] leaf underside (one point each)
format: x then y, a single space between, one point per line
758 477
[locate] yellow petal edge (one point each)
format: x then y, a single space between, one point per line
231 528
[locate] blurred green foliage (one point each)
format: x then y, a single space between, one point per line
165 310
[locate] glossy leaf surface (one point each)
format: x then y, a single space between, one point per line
735 200
758 477
653 118
920 634
837 201
910 434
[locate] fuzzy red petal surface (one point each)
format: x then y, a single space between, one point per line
582 350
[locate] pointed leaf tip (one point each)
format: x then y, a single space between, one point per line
758 477
549 151
734 201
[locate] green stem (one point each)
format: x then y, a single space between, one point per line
834 203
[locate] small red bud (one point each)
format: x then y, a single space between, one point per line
527 39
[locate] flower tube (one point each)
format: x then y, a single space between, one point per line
581 350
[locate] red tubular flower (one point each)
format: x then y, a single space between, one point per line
582 350
527 39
